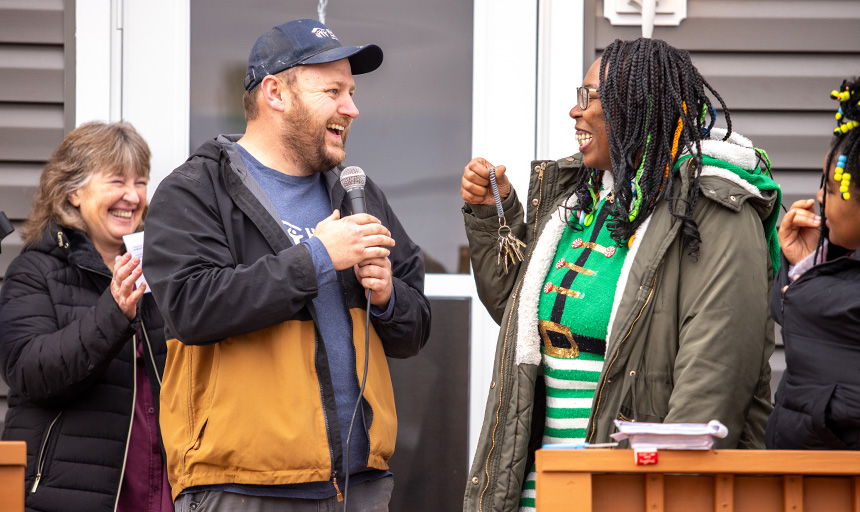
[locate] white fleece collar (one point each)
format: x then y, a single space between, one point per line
738 151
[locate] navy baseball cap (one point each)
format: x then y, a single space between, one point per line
304 42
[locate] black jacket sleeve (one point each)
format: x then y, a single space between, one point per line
201 291
780 281
43 361
406 332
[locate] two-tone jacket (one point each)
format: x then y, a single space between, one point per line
68 354
247 396
688 341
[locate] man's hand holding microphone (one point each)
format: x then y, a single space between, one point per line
360 241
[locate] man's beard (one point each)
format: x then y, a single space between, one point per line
305 141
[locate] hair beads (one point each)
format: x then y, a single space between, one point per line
845 138
840 96
844 124
845 127
842 177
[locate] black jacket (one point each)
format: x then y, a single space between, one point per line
818 399
67 355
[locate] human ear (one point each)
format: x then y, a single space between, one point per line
275 93
74 198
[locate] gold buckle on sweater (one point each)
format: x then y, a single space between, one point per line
546 327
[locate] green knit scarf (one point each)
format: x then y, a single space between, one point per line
763 182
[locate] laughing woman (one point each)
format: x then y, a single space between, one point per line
645 288
81 349
818 398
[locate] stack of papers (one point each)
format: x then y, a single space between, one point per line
670 436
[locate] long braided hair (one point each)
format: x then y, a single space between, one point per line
656 108
845 142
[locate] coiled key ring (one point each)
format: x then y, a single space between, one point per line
509 245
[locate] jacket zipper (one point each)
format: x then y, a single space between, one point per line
505 346
617 353
131 421
330 450
336 488
149 351
318 339
537 208
501 399
133 396
43 453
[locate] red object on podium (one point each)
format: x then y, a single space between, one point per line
643 458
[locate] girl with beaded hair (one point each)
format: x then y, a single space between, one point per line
644 289
817 302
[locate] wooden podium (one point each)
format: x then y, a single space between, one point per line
596 480
13 458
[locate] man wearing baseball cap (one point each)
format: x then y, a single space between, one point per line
261 272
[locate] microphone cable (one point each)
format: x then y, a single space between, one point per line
358 401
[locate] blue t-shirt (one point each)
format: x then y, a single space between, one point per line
302 202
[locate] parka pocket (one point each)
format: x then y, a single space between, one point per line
45 448
800 421
646 398
843 412
626 414
198 438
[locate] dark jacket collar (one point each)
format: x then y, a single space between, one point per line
71 245
224 144
247 193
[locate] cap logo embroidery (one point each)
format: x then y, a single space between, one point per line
324 32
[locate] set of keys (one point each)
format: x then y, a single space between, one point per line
509 245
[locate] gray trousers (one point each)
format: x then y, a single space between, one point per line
370 496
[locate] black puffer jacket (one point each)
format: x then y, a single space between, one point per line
67 354
818 399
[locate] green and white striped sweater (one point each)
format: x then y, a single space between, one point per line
573 317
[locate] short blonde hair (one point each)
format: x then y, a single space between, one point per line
93 147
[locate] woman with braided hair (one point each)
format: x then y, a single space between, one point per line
817 302
644 287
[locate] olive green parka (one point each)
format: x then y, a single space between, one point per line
689 340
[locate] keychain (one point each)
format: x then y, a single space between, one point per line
509 245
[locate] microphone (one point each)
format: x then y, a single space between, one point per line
353 179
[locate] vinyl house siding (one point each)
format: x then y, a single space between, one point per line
36 105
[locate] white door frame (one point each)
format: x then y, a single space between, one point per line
522 89
133 63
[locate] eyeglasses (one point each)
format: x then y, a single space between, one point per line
582 96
